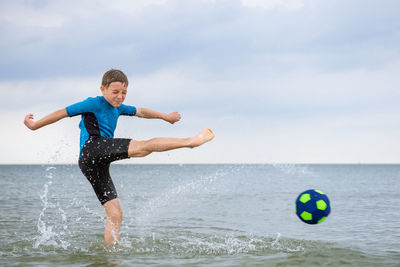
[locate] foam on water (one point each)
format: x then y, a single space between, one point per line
190 244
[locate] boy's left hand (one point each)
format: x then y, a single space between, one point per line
173 117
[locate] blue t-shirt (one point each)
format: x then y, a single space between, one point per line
99 118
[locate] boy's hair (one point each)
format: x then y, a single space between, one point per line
114 75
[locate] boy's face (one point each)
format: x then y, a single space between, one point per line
115 93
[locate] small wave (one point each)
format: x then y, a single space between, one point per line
187 246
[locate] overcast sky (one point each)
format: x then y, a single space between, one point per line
278 81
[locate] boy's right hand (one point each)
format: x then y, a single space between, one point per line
49 119
29 122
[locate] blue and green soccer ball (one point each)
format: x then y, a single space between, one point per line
312 206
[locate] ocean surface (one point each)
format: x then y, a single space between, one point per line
201 215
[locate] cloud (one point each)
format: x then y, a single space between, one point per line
289 4
45 92
146 36
307 78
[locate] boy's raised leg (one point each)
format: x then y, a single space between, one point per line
144 148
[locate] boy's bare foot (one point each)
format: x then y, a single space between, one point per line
203 137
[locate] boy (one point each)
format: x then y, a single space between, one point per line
98 148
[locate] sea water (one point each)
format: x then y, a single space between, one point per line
201 215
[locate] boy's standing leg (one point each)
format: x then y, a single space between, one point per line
113 223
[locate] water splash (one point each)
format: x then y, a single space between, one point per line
293 169
50 234
155 205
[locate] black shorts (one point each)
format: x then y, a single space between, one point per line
94 162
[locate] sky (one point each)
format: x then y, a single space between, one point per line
278 81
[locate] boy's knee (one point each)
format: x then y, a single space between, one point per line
137 149
115 215
114 210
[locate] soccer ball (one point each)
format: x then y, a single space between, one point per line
312 206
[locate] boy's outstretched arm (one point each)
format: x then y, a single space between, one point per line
152 114
49 119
